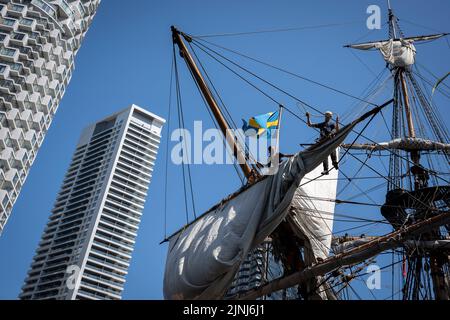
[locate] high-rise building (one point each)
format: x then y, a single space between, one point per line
38 43
258 268
86 248
252 272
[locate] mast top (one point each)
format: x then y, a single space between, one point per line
236 148
389 5
392 22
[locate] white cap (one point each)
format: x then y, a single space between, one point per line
328 113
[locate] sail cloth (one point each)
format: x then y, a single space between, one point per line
397 52
339 248
407 144
312 215
429 37
204 257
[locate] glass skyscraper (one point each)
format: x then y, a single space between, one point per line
86 248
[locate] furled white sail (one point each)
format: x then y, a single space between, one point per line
408 144
339 248
427 37
311 216
204 257
397 52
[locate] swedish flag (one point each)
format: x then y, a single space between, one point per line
261 124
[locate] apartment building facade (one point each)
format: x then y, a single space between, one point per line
86 247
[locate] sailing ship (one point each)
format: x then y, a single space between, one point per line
287 217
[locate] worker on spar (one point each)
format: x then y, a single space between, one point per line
327 129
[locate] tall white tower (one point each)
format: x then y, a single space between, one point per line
86 248
38 43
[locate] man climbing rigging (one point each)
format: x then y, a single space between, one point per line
327 129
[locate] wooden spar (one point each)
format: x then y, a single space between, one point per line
408 144
409 119
342 244
262 177
436 261
350 257
437 274
215 109
415 39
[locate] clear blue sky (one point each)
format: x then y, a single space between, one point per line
126 59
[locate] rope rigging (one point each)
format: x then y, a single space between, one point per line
181 125
228 115
365 65
351 179
418 64
169 117
207 50
213 54
289 73
418 99
277 30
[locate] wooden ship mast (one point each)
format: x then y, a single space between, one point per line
415 211
418 196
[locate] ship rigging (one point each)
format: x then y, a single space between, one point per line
315 262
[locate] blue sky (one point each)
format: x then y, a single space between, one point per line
126 58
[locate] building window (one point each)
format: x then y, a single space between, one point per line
16 7
26 22
16 66
8 142
33 35
18 36
8 22
44 6
5 201
7 52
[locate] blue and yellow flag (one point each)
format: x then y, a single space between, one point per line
258 125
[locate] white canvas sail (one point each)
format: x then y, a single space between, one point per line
311 215
408 144
397 52
203 258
